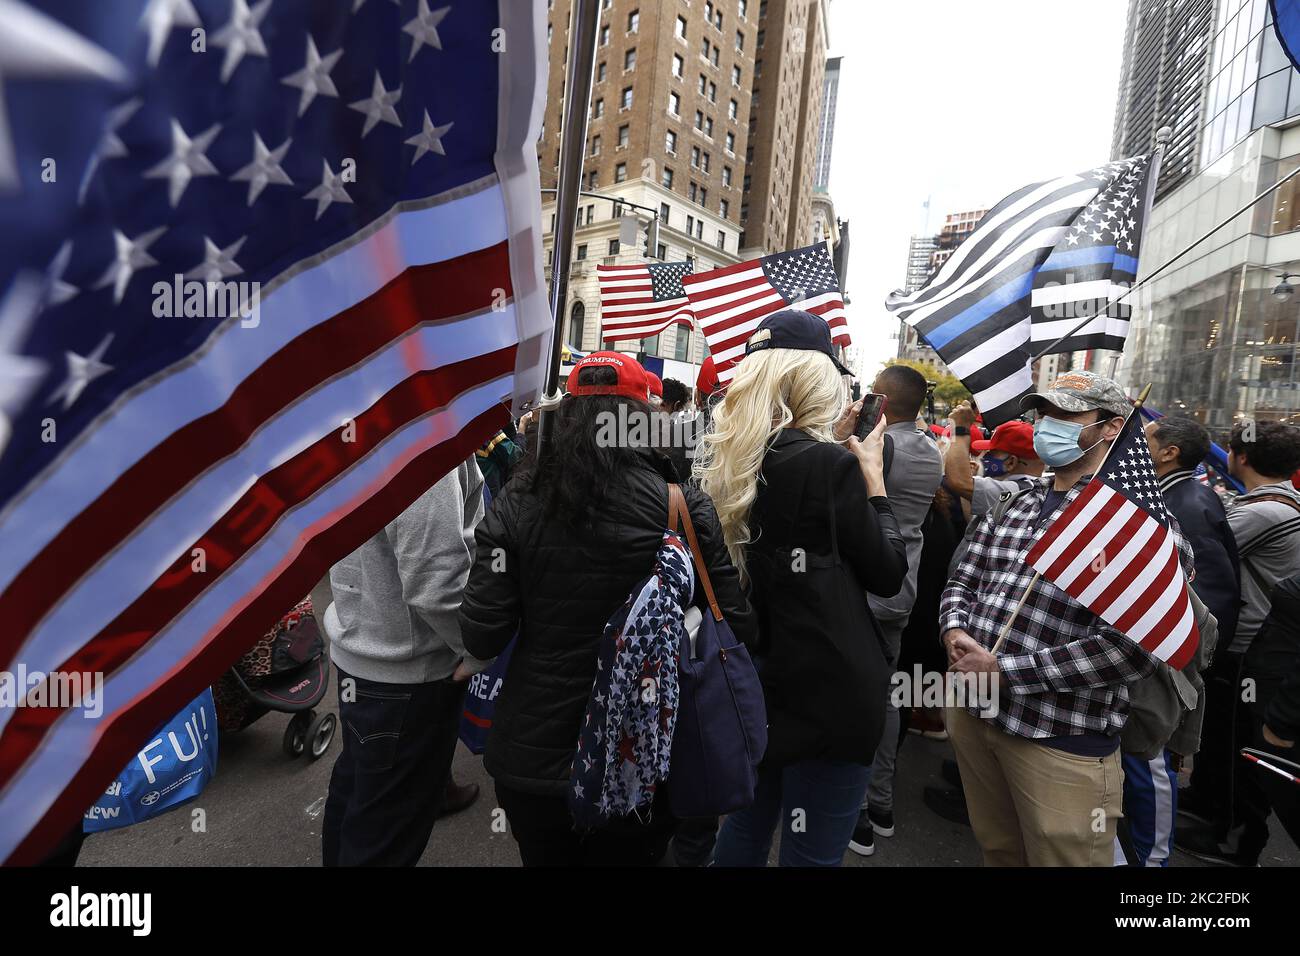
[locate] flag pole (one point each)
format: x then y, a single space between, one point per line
584 30
1158 272
1006 628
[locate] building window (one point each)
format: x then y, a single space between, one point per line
593 179
726 176
595 146
693 192
604 36
633 21
663 252
722 240
761 37
731 142
704 48
576 322
704 196
699 229
733 110
622 136
668 177
699 119
674 104
735 76
629 60
740 41
670 143
601 72
620 173
613 247
682 344
650 346
708 126
598 109
704 162
695 157
681 28
678 65
724 207
664 214
744 8
713 92
690 225
591 215
704 83
582 250
626 102
716 56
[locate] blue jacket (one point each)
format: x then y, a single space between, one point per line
1204 524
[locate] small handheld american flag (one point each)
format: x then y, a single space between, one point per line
1114 551
731 302
637 302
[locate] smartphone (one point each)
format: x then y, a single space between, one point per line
873 406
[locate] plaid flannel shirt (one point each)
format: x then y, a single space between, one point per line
1063 669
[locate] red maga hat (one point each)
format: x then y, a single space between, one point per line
632 378
1014 438
655 382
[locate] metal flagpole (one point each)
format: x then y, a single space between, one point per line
1153 276
1006 629
584 29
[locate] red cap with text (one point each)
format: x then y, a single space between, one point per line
1014 438
632 378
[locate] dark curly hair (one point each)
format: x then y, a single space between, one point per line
578 473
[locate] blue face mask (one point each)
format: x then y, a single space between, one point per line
1057 441
994 467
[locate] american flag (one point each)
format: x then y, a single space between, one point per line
977 310
730 303
175 473
637 302
1113 550
1095 264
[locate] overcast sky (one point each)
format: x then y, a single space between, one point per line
959 102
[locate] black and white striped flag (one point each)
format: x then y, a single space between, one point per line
1032 269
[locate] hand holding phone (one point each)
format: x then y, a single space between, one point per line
873 407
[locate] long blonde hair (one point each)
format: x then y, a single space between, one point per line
773 389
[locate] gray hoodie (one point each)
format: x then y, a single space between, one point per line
396 598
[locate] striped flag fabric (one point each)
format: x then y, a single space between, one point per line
272 293
1094 265
640 301
1114 551
976 310
730 302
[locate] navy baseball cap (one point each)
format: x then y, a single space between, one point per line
795 329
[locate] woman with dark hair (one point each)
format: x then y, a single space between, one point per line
560 551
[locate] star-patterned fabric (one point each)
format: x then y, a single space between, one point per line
1043 264
627 732
1095 264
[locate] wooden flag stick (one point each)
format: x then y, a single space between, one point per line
1006 629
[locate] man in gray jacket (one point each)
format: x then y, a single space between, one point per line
395 641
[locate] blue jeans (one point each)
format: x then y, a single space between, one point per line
815 801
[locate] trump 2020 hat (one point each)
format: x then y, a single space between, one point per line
632 381
1014 438
795 329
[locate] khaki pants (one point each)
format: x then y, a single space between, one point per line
1032 805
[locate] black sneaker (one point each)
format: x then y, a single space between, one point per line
948 804
882 821
950 772
864 840
1204 845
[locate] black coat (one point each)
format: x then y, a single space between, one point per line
1204 524
1274 662
558 588
821 657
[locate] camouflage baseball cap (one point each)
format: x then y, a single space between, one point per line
1081 392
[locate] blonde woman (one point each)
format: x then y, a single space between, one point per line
806 520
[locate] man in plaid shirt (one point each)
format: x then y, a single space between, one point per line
1042 776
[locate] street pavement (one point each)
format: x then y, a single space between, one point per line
264 808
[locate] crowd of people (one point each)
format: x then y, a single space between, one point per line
841 562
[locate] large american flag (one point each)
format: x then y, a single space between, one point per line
640 301
730 302
172 481
1113 550
980 311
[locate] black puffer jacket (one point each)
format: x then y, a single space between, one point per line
558 589
1274 662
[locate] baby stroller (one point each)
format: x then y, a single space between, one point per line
286 671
